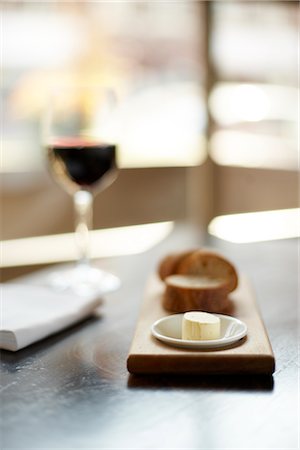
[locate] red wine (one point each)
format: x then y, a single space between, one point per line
80 164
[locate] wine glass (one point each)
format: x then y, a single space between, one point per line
80 141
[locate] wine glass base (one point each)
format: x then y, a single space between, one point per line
85 281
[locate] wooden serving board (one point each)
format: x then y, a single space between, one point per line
253 354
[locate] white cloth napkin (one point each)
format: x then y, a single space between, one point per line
30 313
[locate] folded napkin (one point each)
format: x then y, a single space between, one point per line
30 313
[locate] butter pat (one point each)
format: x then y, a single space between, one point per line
200 326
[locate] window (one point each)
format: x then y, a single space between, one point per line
149 52
254 99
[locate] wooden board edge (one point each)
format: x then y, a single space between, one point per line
259 315
228 364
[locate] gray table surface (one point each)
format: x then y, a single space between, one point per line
72 390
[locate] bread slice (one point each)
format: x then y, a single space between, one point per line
195 293
170 263
206 263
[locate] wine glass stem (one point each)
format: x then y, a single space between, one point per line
83 205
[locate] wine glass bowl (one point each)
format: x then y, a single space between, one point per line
82 157
82 164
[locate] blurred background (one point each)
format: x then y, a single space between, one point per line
208 110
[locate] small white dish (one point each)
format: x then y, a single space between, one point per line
168 330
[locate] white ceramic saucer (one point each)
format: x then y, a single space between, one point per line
168 330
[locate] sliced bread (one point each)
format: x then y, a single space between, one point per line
195 292
169 263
